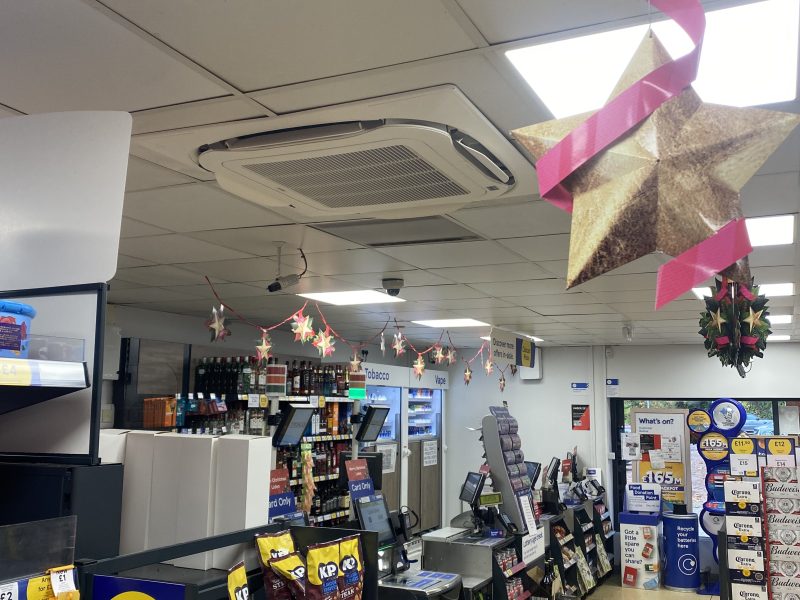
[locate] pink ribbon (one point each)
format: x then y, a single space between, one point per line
749 340
745 291
723 340
618 117
723 290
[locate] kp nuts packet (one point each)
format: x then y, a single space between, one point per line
272 546
322 563
292 569
237 583
351 568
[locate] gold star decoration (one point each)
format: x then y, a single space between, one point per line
217 324
451 356
419 366
488 366
355 364
439 355
324 342
383 345
262 350
753 319
502 382
398 344
717 320
669 184
513 370
467 375
302 327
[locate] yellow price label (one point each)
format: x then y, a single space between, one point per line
14 372
263 401
322 402
778 446
743 446
39 588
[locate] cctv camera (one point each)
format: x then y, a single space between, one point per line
392 286
281 283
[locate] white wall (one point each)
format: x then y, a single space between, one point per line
543 409
685 371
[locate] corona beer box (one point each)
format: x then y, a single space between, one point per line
746 566
744 532
741 591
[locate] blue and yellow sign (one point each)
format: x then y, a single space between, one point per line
109 587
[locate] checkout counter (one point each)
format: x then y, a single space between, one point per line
397 580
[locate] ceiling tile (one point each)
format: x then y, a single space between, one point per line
558 268
766 256
192 114
776 194
260 241
410 278
249 269
119 284
69 56
532 218
513 271
610 283
166 249
226 291
161 275
439 292
134 228
124 262
458 254
456 303
196 207
329 42
500 313
777 274
147 294
553 299
349 262
195 308
690 307
591 318
144 175
521 288
787 157
539 248
601 310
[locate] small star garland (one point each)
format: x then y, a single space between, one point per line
398 344
324 342
262 350
216 324
467 375
419 366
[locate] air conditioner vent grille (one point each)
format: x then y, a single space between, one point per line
380 176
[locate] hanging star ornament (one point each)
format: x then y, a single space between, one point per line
217 324
488 366
419 366
467 375
383 345
669 183
262 350
754 319
502 382
439 355
513 370
717 320
324 342
302 327
398 344
355 364
451 356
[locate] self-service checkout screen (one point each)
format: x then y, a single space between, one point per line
374 516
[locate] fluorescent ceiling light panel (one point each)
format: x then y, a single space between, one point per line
779 319
749 58
445 323
486 337
773 290
702 293
771 231
778 338
352 298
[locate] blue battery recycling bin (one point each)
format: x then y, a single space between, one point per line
681 552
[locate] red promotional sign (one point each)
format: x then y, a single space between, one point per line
580 417
278 481
356 469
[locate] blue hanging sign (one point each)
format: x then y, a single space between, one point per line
361 488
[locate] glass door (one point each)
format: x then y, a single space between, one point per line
424 410
386 396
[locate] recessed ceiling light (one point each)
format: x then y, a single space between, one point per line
778 338
773 290
780 319
577 75
771 231
351 298
702 293
486 337
445 323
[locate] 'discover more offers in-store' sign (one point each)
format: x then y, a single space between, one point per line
508 349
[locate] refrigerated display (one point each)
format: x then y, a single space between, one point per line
385 396
424 412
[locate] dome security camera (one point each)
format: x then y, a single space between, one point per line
392 286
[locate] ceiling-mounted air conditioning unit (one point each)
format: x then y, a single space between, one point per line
359 166
413 154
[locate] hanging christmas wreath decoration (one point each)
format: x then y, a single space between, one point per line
735 324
